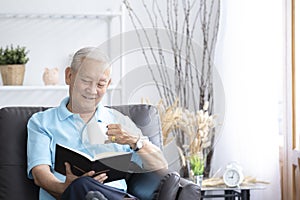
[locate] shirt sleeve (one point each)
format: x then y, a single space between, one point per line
38 144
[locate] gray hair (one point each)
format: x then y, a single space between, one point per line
91 53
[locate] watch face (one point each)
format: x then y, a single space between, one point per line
139 144
231 178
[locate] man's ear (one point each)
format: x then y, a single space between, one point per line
68 74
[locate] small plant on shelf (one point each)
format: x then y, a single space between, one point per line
11 55
12 64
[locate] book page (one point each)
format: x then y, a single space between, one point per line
109 154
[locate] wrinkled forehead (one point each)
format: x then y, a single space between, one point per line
92 67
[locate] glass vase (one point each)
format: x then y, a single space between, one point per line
198 180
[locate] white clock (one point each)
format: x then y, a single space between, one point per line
233 175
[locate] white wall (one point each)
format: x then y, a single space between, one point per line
250 61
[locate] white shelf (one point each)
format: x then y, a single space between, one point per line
43 87
40 95
102 15
32 95
27 88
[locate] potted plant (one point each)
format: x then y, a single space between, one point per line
197 168
12 64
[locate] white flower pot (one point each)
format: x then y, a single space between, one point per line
198 180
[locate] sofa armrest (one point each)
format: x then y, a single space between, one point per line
188 190
162 184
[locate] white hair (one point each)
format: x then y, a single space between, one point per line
90 53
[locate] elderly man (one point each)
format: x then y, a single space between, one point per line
88 79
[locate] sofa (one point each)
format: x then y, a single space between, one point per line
14 184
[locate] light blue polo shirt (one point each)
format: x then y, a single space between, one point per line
59 125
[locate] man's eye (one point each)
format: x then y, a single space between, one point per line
100 86
85 81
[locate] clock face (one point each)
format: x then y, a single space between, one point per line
232 177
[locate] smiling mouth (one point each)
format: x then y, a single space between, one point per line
89 98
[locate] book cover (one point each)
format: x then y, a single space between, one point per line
114 164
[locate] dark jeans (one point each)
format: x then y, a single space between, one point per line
79 189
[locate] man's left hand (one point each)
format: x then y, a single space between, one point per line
116 134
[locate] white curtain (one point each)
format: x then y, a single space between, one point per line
249 59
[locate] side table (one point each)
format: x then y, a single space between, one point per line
241 193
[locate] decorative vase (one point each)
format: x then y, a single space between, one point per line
198 180
12 74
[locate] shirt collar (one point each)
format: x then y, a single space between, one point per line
63 112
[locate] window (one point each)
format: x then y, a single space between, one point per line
296 73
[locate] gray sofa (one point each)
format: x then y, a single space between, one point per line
14 184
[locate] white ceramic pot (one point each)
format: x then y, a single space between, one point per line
198 180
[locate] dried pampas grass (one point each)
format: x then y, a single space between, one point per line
197 126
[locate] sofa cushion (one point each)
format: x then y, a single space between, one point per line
188 190
14 183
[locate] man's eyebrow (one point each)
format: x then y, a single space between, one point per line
84 76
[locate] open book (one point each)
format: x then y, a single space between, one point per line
114 164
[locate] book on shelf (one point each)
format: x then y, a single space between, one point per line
114 164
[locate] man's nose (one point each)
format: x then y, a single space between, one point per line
92 88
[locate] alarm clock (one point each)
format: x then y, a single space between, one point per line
233 175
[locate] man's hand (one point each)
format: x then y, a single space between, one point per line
101 177
118 135
71 177
151 155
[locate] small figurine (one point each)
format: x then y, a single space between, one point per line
51 76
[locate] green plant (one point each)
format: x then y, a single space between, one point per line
197 165
11 55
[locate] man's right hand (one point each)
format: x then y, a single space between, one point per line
71 177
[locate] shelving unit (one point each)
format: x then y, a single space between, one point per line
32 95
52 95
30 88
103 15
37 95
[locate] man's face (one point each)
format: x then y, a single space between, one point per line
87 86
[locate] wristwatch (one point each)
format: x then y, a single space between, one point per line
140 143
